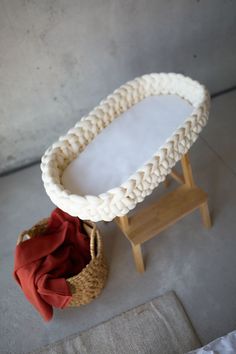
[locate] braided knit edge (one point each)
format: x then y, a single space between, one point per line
120 200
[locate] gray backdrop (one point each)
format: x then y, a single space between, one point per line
59 58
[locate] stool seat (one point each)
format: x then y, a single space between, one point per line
113 158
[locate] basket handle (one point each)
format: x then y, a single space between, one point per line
90 228
40 227
95 238
21 237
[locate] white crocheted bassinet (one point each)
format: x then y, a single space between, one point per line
121 198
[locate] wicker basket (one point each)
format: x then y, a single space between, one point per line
88 284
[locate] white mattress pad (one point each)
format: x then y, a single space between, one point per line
126 145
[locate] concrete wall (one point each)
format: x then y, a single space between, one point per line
58 58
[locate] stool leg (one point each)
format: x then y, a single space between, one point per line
187 171
189 181
206 219
123 222
167 182
138 257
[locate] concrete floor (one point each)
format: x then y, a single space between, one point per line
198 264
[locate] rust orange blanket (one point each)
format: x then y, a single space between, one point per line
43 263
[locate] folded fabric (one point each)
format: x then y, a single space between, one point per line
43 262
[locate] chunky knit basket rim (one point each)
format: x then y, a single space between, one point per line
120 200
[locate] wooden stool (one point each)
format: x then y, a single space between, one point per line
117 155
155 218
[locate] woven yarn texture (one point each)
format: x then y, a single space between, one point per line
120 200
